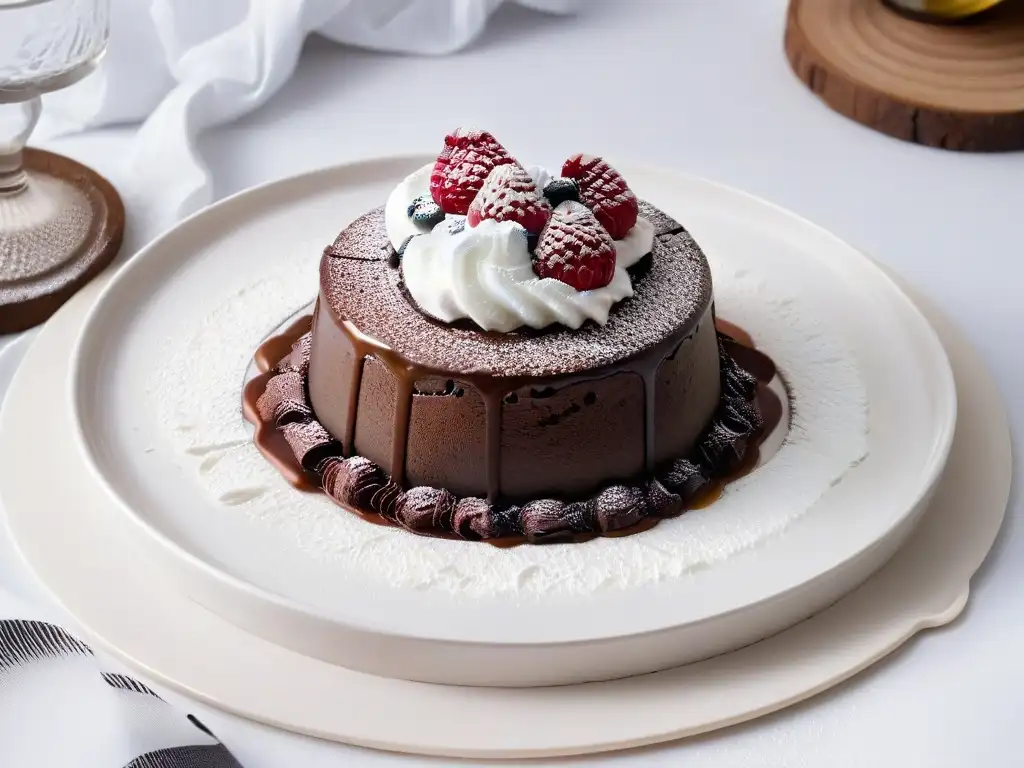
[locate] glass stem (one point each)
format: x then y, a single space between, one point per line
17 120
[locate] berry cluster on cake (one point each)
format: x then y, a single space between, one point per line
502 354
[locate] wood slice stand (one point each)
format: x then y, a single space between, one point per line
954 86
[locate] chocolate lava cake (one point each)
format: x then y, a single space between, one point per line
498 354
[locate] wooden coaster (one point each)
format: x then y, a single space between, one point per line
79 225
954 86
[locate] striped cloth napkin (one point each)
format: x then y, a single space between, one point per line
64 706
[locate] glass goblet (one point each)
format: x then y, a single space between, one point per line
45 45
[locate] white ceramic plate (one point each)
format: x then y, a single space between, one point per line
270 585
114 593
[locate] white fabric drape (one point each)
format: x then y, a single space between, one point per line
183 66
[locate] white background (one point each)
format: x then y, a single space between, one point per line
702 87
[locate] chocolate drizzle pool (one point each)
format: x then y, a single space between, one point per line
287 433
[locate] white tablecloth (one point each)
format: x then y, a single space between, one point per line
700 86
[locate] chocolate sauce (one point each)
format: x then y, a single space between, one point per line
267 437
735 333
400 436
276 348
493 390
349 443
744 352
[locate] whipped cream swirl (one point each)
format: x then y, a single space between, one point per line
485 273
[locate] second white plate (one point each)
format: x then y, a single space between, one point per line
793 539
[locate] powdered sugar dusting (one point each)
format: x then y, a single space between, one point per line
472 171
461 168
604 190
196 393
510 194
575 249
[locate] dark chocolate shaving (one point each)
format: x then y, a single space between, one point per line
722 449
619 507
298 359
741 416
739 383
424 509
685 478
580 515
545 521
386 499
736 381
662 502
311 443
284 400
472 519
505 520
353 481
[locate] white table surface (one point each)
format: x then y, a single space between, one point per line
700 86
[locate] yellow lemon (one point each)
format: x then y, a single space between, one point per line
947 9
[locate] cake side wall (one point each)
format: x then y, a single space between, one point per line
557 439
447 438
331 359
687 393
573 440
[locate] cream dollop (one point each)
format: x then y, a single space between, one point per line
635 245
485 273
400 227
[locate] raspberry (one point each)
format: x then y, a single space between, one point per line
604 190
575 249
466 160
510 194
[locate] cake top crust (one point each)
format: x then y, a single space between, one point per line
672 293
